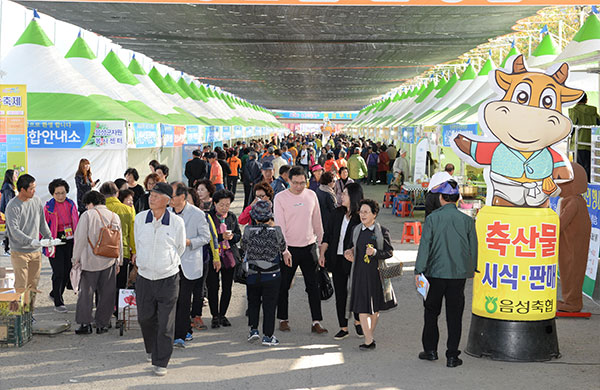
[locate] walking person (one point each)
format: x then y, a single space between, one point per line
195 169
369 294
326 196
126 215
229 234
372 161
251 174
357 167
149 182
235 164
340 185
160 240
264 246
297 212
98 273
262 191
205 190
132 176
282 181
25 223
62 217
337 238
8 192
83 182
447 256
216 171
192 260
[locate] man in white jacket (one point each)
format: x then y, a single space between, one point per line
160 237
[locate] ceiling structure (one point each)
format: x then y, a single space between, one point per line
294 57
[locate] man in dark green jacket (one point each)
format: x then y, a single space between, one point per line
447 257
583 115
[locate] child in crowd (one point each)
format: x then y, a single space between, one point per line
264 245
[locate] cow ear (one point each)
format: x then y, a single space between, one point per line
570 94
560 76
503 80
519 65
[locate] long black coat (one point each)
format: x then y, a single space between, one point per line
331 236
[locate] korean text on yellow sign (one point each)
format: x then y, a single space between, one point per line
517 263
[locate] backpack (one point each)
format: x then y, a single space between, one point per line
109 240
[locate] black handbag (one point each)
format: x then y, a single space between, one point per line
325 285
240 272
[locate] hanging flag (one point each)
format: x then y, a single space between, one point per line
544 29
35 14
595 10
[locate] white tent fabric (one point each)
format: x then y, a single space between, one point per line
49 164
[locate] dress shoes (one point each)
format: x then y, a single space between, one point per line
428 355
318 329
453 362
84 329
284 326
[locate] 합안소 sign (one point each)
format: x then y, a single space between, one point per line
517 263
76 135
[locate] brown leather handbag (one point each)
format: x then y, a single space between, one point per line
109 240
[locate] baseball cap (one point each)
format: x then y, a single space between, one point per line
446 188
317 167
163 188
267 165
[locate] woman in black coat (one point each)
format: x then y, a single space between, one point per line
340 225
326 196
229 235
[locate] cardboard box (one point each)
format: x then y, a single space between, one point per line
14 301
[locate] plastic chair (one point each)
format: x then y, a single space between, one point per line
411 232
402 208
388 199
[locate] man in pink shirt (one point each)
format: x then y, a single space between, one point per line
297 211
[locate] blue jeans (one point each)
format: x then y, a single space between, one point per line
219 187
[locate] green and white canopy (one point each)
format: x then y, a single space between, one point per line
544 53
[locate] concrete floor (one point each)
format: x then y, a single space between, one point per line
222 359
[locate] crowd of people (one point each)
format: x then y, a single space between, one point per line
177 243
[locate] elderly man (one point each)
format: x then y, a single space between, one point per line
160 240
192 261
401 167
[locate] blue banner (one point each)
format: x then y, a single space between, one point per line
211 133
167 133
70 135
146 135
408 135
238 132
192 133
448 132
226 134
344 115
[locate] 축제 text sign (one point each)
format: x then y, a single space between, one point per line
517 264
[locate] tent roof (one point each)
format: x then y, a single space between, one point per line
546 47
294 57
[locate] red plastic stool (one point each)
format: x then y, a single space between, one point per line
412 232
403 208
388 199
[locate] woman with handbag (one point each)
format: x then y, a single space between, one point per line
337 237
369 293
229 234
100 261
62 218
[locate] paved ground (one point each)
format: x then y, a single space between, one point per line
222 359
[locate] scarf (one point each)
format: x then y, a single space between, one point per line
326 188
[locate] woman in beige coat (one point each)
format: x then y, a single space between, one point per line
98 273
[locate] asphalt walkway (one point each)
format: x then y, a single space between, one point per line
222 358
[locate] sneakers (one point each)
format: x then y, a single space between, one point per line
189 337
270 341
284 326
61 309
367 347
359 331
179 343
148 357
342 334
253 335
224 321
159 371
318 329
199 324
6 252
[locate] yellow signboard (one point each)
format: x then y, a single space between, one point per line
13 128
517 263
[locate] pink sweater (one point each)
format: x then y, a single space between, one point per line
299 217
